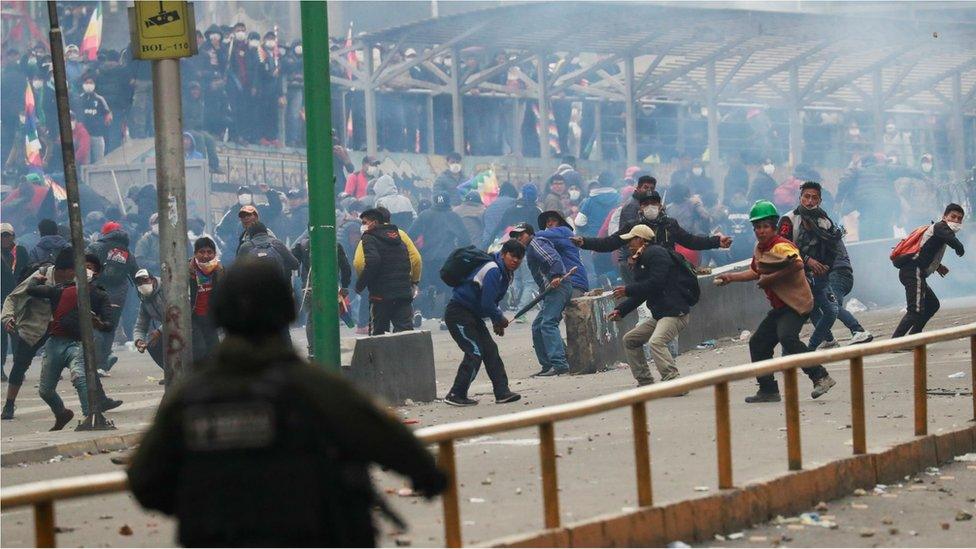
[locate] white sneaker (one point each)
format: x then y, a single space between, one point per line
861 337
104 373
832 344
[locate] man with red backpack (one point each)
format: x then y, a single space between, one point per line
918 256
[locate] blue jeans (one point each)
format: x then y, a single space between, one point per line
841 283
61 353
826 303
546 338
524 281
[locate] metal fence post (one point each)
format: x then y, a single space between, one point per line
857 405
792 420
550 486
452 514
44 524
723 436
921 402
642 454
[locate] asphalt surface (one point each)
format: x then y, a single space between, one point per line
499 475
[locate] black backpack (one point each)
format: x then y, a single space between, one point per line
265 251
687 280
461 263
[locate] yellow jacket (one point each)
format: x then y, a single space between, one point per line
416 264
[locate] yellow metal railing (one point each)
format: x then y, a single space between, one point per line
42 495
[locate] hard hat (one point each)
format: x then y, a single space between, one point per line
762 209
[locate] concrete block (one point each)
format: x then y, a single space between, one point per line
110 444
709 517
745 506
648 528
593 342
896 463
962 441
587 534
679 521
395 367
556 537
927 454
945 447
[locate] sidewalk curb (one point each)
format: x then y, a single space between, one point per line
110 443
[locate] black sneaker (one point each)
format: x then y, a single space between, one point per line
547 373
110 404
762 396
8 411
418 319
454 400
62 419
510 397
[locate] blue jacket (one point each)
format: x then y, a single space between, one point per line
595 210
552 254
483 289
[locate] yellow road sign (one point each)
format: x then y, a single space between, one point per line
162 29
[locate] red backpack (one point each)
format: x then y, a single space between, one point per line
910 245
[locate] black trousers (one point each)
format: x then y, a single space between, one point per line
205 339
780 326
24 354
920 301
383 313
472 336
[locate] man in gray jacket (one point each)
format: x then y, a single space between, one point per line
147 332
26 319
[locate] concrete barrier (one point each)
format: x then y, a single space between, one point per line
732 510
395 367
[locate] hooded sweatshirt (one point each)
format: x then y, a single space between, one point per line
389 197
151 311
594 210
47 248
118 263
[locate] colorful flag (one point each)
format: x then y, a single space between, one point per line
485 183
351 56
32 145
553 131
29 101
93 35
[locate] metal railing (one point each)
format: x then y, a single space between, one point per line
42 495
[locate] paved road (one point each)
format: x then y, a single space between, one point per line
500 478
933 509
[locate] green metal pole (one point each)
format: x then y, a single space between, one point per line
321 185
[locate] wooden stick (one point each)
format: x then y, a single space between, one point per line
44 524
550 486
921 398
452 513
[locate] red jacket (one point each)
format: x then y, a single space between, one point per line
356 184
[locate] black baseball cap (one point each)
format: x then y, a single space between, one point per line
648 197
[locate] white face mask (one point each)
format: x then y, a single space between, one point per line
37 84
956 227
890 128
769 169
854 132
373 170
90 273
145 289
240 35
455 168
254 43
298 50
926 167
574 194
88 87
73 124
270 44
651 212
243 199
207 264
363 228
696 171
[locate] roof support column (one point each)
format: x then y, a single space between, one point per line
630 111
543 82
712 105
796 122
369 92
457 109
596 151
430 123
518 115
878 108
956 130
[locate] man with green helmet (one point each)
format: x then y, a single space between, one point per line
777 266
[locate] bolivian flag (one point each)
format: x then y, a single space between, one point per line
32 145
93 35
485 183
